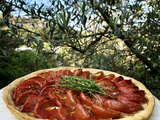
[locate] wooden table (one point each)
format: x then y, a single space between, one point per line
5 114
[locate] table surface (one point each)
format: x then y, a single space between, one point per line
5 113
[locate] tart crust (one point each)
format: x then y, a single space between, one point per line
7 95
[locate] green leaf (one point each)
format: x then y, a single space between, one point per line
39 10
83 7
106 59
111 45
68 17
116 58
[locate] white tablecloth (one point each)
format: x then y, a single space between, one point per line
5 114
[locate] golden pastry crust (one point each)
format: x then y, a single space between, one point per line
7 95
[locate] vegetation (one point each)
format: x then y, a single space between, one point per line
22 63
81 84
121 36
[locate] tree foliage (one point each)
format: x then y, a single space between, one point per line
117 35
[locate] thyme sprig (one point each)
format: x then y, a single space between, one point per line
81 84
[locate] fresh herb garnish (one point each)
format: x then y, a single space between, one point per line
81 84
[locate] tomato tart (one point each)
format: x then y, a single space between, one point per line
69 93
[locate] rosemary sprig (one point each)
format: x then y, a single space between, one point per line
80 84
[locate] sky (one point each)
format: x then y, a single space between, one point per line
39 2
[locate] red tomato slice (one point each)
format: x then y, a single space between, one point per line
48 75
97 76
70 100
67 72
139 92
117 79
128 89
101 80
59 73
101 83
63 113
52 74
45 91
77 72
73 116
99 99
104 112
85 99
85 74
21 99
116 105
22 90
81 113
43 108
125 83
110 77
52 83
39 80
30 103
52 114
138 98
57 95
27 84
112 89
133 106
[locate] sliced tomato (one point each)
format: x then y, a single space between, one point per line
56 79
101 80
48 75
45 91
73 116
60 73
81 113
128 89
98 99
101 83
27 84
39 80
53 83
77 72
133 106
52 74
117 79
139 92
70 100
56 100
135 97
21 99
110 77
68 72
63 113
125 83
30 103
57 95
45 75
85 99
85 74
111 89
109 85
104 112
97 76
116 105
22 90
52 114
43 108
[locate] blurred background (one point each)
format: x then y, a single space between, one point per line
117 35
